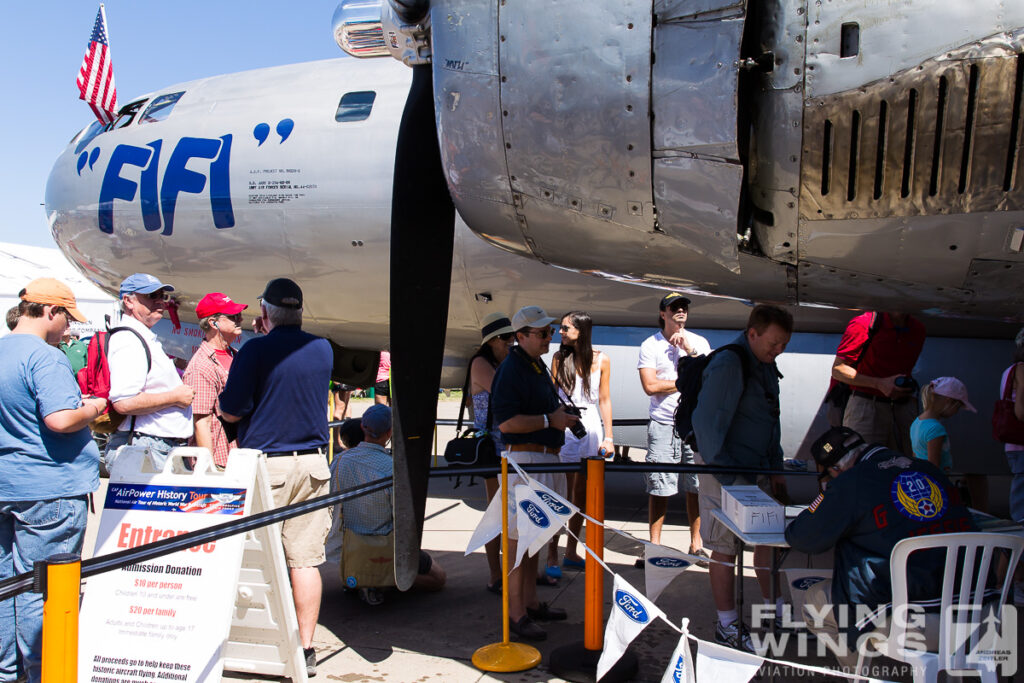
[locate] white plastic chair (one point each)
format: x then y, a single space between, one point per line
966 595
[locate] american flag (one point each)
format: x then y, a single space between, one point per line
96 77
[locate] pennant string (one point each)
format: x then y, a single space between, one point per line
684 630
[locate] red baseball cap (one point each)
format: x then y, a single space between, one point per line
215 302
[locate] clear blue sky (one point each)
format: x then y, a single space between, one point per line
153 44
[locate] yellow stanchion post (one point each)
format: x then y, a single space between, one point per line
505 657
60 618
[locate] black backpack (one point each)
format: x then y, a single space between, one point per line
690 380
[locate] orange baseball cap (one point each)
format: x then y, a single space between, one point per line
46 290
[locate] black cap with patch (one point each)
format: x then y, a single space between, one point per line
834 444
673 298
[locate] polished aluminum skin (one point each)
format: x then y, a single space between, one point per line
314 206
743 148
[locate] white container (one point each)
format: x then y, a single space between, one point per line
753 510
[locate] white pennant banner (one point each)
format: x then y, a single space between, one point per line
535 522
720 664
489 526
561 509
680 667
631 614
661 565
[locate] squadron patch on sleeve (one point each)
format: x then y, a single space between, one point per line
816 502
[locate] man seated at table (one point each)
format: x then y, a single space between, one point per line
874 498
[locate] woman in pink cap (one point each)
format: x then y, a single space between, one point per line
942 398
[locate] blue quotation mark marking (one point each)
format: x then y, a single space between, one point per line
262 131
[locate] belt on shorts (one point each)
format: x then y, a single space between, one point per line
533 448
881 399
308 451
166 439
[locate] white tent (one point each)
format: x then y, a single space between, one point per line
20 264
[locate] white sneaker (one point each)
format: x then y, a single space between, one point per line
735 635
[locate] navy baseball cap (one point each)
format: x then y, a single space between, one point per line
282 292
834 444
376 421
673 298
142 283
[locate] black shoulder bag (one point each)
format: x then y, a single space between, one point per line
472 448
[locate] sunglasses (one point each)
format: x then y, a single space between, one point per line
506 336
543 333
156 296
563 328
678 307
236 318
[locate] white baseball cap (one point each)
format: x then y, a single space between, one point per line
951 387
530 316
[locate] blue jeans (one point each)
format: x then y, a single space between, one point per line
158 446
31 531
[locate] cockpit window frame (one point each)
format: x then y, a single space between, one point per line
160 107
87 134
357 108
127 114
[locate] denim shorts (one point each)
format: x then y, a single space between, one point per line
663 446
29 531
158 446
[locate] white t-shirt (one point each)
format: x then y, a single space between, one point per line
657 353
128 378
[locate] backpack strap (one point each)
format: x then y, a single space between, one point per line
876 324
1011 377
465 396
149 364
744 361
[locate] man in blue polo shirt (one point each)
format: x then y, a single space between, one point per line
277 392
532 422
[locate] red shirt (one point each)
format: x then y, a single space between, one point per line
207 377
893 350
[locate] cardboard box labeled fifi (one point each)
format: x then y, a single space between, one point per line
753 510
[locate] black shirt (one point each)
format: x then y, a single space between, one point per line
523 386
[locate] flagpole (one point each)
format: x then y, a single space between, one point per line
505 657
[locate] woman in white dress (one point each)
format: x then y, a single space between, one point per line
584 376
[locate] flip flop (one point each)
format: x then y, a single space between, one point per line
570 563
495 587
553 571
545 580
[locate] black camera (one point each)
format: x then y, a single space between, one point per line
906 382
577 428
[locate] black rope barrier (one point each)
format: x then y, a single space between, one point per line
97 565
451 422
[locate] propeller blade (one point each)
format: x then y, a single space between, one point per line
422 240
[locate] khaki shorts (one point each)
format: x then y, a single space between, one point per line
556 481
296 479
715 535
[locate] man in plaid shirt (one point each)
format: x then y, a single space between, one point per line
220 318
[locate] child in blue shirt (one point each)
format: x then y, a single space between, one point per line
942 398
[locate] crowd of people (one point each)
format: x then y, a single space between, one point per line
879 435
270 395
